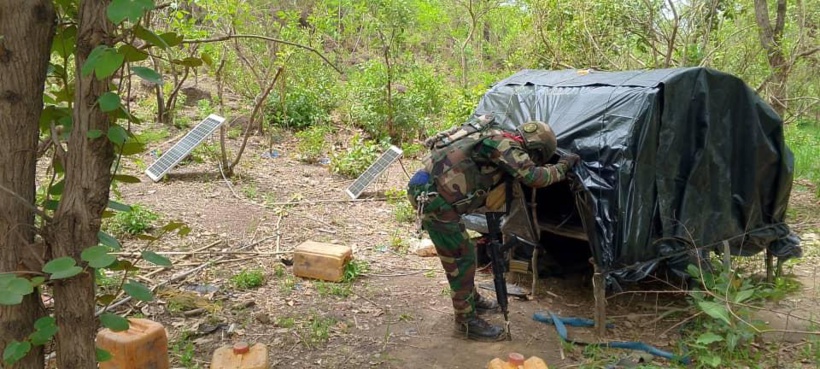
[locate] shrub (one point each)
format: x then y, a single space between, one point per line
357 158
312 143
248 279
136 221
301 109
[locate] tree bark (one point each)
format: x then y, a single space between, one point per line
26 31
87 182
770 39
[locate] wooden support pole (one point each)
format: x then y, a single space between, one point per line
769 267
779 270
727 255
599 292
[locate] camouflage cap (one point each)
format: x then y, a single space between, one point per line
539 138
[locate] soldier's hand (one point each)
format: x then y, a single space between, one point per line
570 159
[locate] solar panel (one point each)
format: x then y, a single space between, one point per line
374 171
184 147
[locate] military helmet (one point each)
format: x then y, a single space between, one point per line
539 139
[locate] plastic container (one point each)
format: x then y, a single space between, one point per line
516 361
143 345
240 356
321 260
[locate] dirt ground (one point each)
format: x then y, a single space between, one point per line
396 315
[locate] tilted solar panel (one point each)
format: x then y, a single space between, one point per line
373 172
184 147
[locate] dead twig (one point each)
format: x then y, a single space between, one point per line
174 278
204 253
314 202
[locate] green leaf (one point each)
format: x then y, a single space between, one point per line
138 291
45 329
37 281
45 322
20 286
92 60
188 62
121 265
171 39
51 204
7 298
15 351
156 259
172 226
207 59
98 256
132 148
118 206
108 240
149 37
715 310
106 299
710 360
117 134
13 288
126 179
147 237
103 61
132 54
184 231
744 295
148 74
109 101
708 337
132 10
64 41
61 268
94 133
103 356
57 188
114 322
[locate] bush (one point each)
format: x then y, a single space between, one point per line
136 221
248 279
804 141
416 98
301 109
357 158
312 143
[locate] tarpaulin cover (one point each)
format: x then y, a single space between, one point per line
674 161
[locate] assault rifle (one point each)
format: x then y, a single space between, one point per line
497 248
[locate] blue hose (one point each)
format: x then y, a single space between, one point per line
560 324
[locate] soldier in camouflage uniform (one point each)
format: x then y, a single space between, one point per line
464 165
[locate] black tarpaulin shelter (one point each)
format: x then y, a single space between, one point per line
675 162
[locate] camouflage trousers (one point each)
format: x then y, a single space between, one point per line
455 250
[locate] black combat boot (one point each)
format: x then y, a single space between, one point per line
484 305
478 329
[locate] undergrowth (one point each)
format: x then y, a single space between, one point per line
138 220
357 158
725 328
804 141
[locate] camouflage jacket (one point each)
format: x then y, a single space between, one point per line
465 171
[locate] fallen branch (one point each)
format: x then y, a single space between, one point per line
167 281
313 202
203 253
278 231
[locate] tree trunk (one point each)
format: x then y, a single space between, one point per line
87 180
26 31
770 39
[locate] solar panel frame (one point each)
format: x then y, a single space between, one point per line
375 170
183 147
